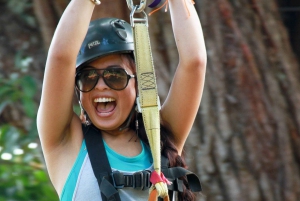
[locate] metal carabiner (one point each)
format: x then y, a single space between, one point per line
140 20
140 7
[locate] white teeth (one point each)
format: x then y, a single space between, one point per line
104 100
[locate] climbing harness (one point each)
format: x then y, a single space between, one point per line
109 182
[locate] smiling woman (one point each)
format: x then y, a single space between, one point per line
107 94
120 90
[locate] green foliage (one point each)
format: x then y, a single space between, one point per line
23 177
22 8
22 171
18 89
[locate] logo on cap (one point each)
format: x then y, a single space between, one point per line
93 44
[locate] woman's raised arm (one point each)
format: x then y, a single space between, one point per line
182 103
55 114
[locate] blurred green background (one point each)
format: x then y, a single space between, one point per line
23 175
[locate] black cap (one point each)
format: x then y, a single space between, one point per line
105 36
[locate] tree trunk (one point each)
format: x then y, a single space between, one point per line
246 137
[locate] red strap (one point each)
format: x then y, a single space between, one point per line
155 178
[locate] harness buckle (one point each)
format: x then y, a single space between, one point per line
147 183
138 178
141 180
139 107
118 179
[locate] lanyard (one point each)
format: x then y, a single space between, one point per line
148 101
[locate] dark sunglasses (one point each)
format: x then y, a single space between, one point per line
114 77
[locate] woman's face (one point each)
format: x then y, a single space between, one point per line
108 108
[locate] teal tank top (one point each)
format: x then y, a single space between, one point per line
81 183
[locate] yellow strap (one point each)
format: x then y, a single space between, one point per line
148 97
145 69
147 90
152 126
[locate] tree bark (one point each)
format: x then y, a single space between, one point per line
247 131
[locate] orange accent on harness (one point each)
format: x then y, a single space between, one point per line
153 196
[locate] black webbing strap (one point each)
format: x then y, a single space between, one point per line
175 173
100 163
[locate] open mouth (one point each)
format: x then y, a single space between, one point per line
105 105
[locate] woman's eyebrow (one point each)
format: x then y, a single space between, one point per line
115 66
88 67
